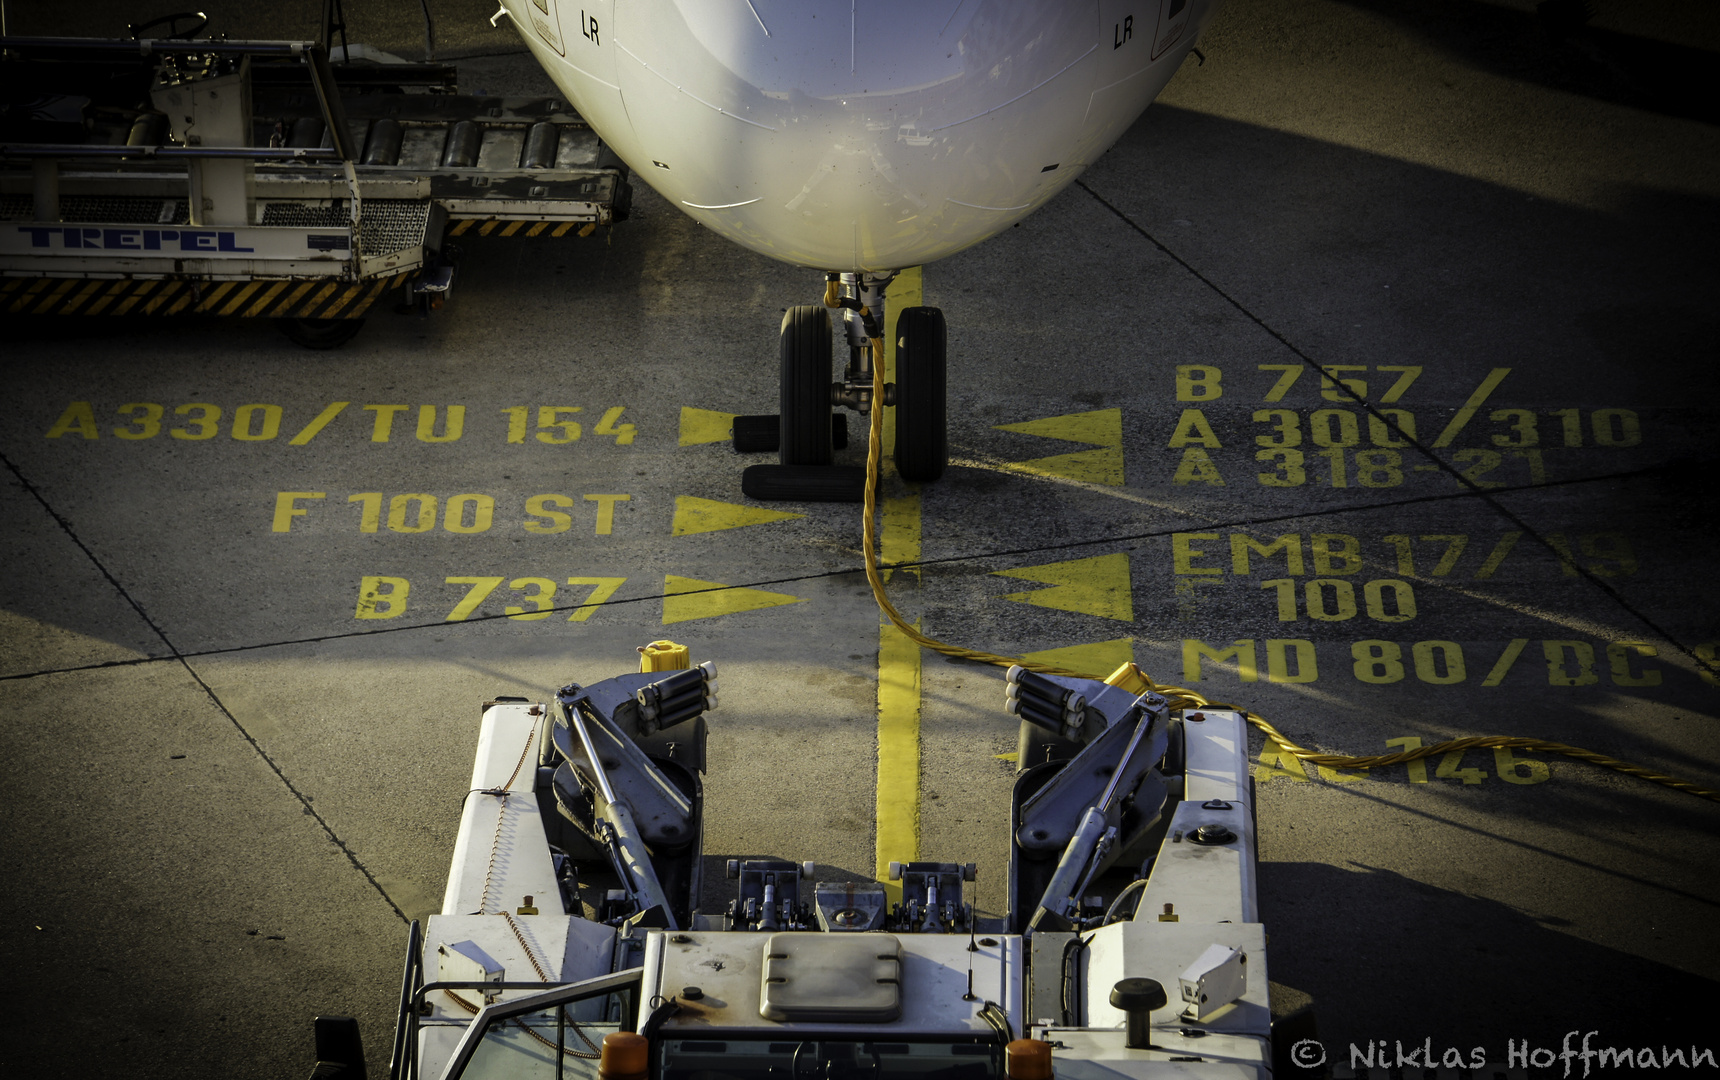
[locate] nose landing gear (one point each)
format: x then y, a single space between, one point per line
806 447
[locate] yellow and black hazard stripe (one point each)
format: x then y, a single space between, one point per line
319 299
502 227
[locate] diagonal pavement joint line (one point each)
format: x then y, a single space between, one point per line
214 699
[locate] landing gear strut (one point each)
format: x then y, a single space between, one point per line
805 443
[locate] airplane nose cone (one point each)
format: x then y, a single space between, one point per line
870 137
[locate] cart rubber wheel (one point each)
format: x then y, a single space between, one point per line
320 333
805 386
922 446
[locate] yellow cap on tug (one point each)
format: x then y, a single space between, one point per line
627 1056
664 656
1027 1059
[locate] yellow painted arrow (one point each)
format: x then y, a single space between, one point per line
704 426
1098 659
694 515
1095 586
1101 427
688 598
1101 466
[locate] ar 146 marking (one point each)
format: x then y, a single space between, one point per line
1506 764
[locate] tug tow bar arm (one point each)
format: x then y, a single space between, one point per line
627 851
1094 837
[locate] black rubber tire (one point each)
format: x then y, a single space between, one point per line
922 445
805 408
804 483
320 333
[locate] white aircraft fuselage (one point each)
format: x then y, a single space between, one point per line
869 135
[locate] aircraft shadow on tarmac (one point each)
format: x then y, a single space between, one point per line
1554 47
1509 976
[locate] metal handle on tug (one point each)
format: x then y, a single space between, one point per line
632 857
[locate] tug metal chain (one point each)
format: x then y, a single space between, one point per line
1180 697
501 795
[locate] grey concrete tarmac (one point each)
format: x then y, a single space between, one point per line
224 795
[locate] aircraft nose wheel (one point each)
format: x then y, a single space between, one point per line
804 428
922 446
805 415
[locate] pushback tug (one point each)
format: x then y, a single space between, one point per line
572 940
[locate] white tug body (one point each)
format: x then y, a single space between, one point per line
571 911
